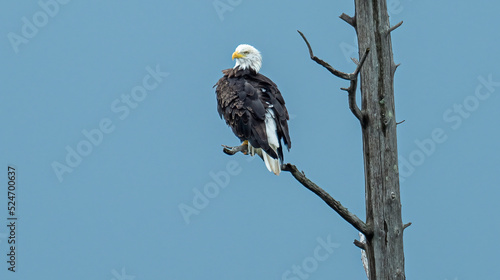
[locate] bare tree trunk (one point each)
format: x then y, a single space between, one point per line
383 205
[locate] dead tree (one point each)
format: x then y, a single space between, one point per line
383 227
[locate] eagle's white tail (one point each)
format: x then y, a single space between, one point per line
272 164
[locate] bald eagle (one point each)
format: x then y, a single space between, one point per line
253 107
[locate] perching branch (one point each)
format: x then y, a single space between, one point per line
301 177
334 204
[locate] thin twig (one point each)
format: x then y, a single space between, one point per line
394 67
334 204
394 27
332 70
353 77
406 225
400 122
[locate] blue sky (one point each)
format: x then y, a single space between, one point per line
109 117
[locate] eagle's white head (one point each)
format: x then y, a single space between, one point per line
247 57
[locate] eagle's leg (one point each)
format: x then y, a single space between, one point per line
242 148
233 150
245 145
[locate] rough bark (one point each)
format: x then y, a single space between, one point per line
383 205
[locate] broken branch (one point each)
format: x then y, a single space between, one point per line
360 64
359 244
350 20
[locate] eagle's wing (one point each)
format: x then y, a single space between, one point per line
273 96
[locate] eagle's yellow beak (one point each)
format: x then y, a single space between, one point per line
237 55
